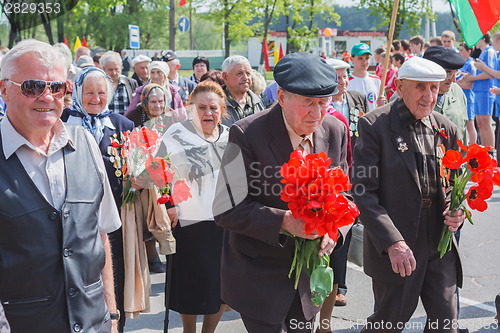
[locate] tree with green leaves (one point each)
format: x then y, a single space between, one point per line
409 12
300 25
232 16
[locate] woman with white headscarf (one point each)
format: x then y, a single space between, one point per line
92 93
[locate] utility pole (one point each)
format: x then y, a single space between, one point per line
190 27
171 25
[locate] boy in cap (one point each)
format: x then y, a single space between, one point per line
256 256
402 236
362 81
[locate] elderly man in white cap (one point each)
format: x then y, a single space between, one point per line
140 66
400 190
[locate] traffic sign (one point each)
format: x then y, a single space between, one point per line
133 33
183 24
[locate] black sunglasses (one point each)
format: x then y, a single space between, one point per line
35 88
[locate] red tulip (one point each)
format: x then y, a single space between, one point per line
181 191
163 199
453 159
477 195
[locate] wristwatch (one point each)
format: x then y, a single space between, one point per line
115 316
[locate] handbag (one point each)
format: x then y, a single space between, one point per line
355 253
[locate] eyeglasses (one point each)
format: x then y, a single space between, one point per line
35 88
450 74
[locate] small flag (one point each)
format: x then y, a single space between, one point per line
77 43
182 3
266 54
281 52
66 42
84 42
276 56
476 17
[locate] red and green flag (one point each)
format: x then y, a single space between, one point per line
476 17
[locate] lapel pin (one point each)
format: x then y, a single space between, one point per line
402 146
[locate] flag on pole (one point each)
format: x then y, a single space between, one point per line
182 3
84 42
77 43
476 17
266 54
66 42
281 52
276 55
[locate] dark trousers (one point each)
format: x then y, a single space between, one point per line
116 242
293 323
338 262
434 281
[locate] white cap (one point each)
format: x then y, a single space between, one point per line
420 69
140 58
337 64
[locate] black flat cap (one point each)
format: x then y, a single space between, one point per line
169 55
444 57
306 74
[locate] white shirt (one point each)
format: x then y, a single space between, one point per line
368 85
48 171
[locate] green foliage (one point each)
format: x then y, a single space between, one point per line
302 27
409 12
105 23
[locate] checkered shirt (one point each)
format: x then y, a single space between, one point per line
120 102
422 137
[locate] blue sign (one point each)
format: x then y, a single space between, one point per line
133 33
183 24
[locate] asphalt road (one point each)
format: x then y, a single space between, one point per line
480 251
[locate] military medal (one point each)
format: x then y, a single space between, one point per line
402 146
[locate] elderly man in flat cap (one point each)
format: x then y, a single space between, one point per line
256 257
401 196
140 66
451 101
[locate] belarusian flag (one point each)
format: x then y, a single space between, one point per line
476 18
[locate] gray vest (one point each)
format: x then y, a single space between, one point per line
50 260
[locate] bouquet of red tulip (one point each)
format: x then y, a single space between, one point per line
314 195
137 157
481 169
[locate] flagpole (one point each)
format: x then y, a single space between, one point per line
389 43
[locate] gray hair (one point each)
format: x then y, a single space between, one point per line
49 56
96 75
175 61
258 82
232 61
110 56
64 49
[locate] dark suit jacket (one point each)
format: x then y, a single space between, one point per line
138 79
355 100
256 259
183 84
386 186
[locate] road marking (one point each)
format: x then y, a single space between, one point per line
463 300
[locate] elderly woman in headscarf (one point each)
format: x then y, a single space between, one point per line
153 111
92 92
158 73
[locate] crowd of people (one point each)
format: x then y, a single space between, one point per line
71 260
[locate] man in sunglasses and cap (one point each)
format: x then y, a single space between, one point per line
57 207
256 255
399 153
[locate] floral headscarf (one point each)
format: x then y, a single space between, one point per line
145 94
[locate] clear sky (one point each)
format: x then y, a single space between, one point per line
438 5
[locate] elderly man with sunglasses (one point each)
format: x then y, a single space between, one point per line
56 208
